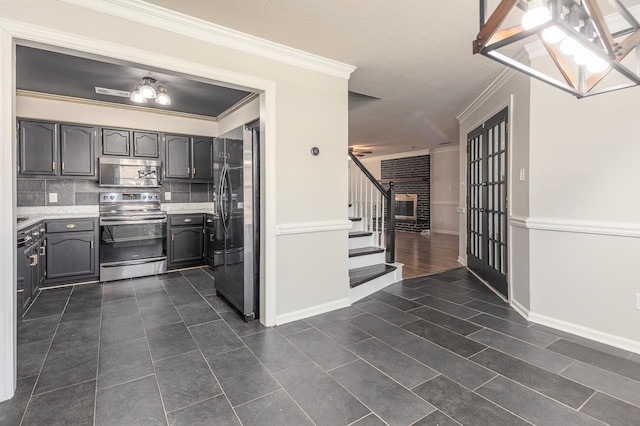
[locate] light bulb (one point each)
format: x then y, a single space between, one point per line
136 96
147 91
162 97
583 56
597 64
569 46
537 14
553 35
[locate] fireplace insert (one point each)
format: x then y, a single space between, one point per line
407 206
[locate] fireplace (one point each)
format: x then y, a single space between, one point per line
407 206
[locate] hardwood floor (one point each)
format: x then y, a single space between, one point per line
426 254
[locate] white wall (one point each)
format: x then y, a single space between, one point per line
511 90
295 98
82 113
445 184
584 212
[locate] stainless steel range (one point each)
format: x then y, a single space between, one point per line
133 233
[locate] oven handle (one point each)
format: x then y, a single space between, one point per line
132 221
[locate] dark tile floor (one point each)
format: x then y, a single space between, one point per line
437 350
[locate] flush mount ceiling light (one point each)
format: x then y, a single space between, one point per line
145 90
575 36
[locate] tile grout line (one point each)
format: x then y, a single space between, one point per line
24 414
95 399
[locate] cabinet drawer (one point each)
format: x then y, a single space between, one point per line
186 220
70 225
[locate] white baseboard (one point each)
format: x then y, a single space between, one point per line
589 333
309 312
462 261
444 231
520 309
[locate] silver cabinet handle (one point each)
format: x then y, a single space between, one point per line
71 226
43 251
187 220
211 238
34 260
28 238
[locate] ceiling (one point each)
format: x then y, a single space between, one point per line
64 73
414 55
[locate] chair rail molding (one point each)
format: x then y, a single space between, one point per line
313 227
615 229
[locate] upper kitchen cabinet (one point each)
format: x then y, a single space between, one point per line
146 144
177 157
37 148
202 151
116 142
77 150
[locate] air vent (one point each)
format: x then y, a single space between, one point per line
112 92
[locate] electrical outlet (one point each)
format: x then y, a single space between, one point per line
53 197
638 301
167 196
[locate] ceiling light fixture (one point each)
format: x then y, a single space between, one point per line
145 91
576 37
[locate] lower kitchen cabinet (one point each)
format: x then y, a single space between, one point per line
30 270
72 250
186 241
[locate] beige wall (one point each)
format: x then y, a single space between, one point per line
584 211
445 184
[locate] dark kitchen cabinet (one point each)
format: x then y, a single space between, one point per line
202 152
177 157
116 142
146 144
209 240
185 240
71 250
30 265
77 150
37 148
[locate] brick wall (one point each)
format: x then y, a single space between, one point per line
411 167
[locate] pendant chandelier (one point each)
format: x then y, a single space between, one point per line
145 91
587 57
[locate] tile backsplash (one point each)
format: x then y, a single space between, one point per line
35 192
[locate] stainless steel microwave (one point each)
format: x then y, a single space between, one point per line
129 172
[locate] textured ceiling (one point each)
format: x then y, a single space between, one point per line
415 55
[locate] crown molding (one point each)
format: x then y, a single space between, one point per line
407 154
179 23
52 97
233 108
446 149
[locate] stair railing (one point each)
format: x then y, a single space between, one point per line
375 205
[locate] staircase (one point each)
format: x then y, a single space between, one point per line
372 264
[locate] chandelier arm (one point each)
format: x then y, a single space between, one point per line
560 62
626 46
493 23
601 27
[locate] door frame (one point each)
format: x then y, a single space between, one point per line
15 32
495 109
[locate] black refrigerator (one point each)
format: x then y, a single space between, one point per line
236 182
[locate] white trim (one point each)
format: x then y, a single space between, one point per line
179 23
520 309
518 221
445 203
309 312
376 284
445 149
461 210
615 229
586 332
462 261
8 301
407 154
444 231
312 227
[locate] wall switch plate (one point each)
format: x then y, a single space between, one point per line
53 197
522 175
167 196
638 301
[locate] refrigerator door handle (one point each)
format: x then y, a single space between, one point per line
223 192
229 197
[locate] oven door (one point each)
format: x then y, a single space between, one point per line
131 241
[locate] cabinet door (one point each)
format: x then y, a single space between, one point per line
145 144
71 254
202 152
177 157
77 151
42 261
24 276
37 148
34 273
209 244
186 244
116 142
